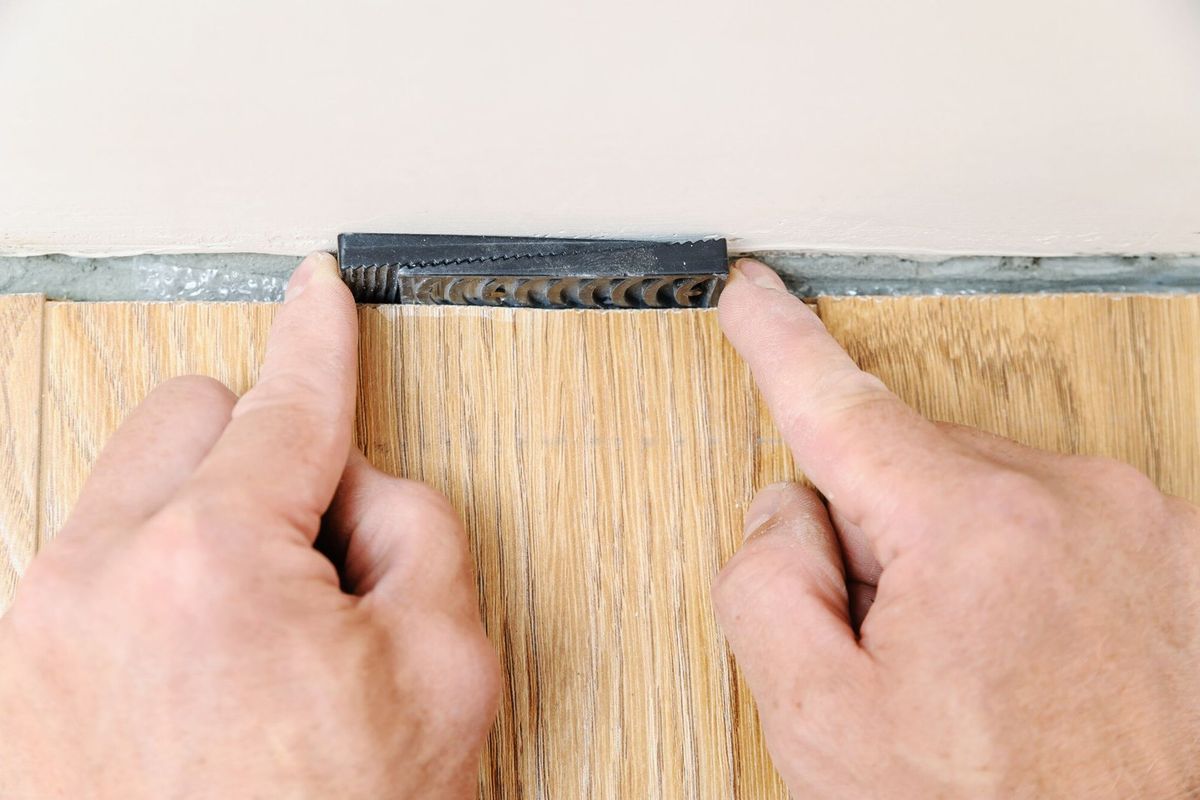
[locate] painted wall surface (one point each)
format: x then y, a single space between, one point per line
990 126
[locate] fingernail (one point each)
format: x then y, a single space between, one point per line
735 275
316 266
763 508
759 274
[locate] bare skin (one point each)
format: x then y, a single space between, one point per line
182 637
959 616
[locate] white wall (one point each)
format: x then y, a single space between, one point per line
991 126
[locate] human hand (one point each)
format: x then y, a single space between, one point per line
182 637
970 617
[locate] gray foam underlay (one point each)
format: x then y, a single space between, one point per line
810 274
193 276
256 277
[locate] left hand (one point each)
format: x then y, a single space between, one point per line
183 637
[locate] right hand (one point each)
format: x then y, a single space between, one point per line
961 616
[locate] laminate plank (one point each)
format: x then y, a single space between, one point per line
603 461
102 359
20 393
1104 375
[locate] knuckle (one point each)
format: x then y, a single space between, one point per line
1020 502
187 561
486 678
282 388
429 510
49 584
473 685
200 389
840 391
1118 478
727 585
428 501
851 386
206 507
178 523
840 403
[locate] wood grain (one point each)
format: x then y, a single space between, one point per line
20 391
102 359
1109 375
603 460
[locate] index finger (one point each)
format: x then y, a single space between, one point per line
868 452
286 446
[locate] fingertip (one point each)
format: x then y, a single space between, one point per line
199 390
786 524
747 287
318 307
758 274
290 434
301 275
775 500
323 258
764 507
317 267
782 597
755 291
325 267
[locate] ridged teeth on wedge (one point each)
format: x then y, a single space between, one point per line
532 272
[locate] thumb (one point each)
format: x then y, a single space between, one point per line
781 600
399 543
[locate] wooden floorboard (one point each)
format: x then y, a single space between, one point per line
20 390
603 461
1108 375
102 359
